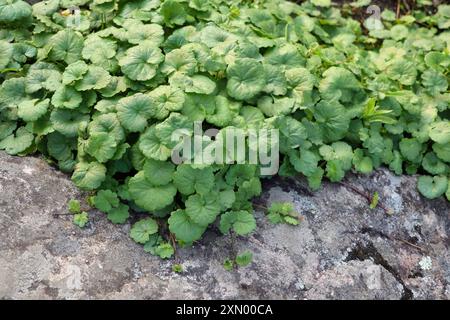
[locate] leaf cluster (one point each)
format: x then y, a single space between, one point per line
100 90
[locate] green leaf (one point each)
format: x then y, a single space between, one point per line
180 61
399 32
107 123
119 215
335 172
173 12
154 240
66 97
292 130
226 199
68 122
193 84
66 45
240 173
306 163
143 229
442 151
164 250
321 3
223 113
228 264
440 132
74 71
291 220
199 5
116 85
279 212
105 200
89 176
12 92
244 259
184 228
59 146
189 180
137 32
242 222
332 119
302 82
253 117
95 78
437 60
140 62
362 163
45 8
339 151
31 110
149 196
166 99
134 111
374 201
102 146
403 71
74 206
175 122
433 165
283 208
6 52
411 149
23 51
250 189
372 113
285 56
158 172
178 268
434 81
18 142
338 84
81 219
14 10
212 36
432 187
199 84
275 80
387 14
98 49
447 194
38 79
152 147
246 79
203 210
396 164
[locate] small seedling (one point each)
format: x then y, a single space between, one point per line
244 259
74 206
283 212
178 268
81 219
374 201
228 264
241 260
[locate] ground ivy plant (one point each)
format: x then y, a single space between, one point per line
97 87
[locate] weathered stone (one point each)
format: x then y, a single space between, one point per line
341 250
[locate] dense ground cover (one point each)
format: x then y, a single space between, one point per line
98 87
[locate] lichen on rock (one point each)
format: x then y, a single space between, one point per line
342 249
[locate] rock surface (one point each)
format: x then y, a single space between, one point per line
341 250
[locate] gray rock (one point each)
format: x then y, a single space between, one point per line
341 250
